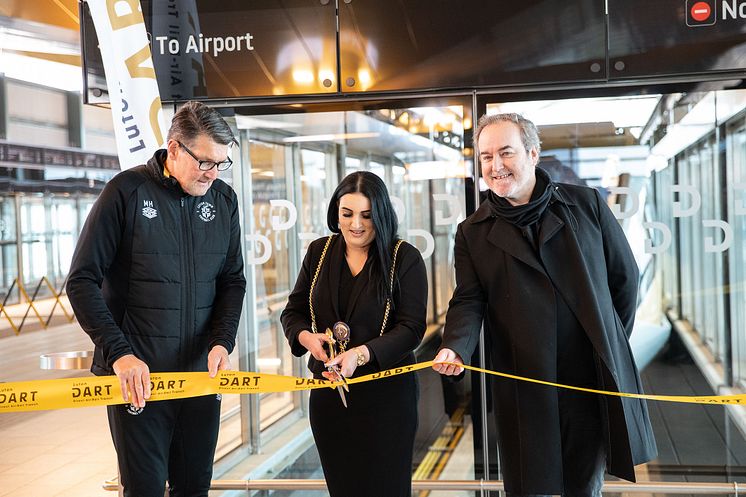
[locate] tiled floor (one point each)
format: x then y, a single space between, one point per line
69 452
57 453
51 453
460 465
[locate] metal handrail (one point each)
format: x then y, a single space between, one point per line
474 485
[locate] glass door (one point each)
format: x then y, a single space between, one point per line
291 162
736 209
35 244
8 243
667 179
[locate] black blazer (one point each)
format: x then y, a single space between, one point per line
407 319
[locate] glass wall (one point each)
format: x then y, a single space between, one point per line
291 163
675 183
701 195
9 254
49 226
736 206
676 190
674 169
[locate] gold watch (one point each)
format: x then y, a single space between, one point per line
360 356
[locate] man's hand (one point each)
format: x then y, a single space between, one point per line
314 343
447 355
218 360
134 378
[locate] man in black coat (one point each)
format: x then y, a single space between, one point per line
157 282
547 269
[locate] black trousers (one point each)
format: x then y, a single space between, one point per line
170 440
583 448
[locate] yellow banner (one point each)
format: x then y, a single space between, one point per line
105 390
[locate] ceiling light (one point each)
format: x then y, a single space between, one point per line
329 137
42 72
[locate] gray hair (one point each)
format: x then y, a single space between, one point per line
194 119
529 132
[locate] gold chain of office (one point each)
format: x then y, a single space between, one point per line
318 270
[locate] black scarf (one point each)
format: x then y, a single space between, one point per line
527 214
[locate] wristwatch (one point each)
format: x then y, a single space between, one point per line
360 356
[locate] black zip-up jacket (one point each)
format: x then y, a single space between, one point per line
158 273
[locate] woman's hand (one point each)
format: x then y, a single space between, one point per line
347 363
314 343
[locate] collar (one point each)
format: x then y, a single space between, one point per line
156 166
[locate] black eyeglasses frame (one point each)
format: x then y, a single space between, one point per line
206 165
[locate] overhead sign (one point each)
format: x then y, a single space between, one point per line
234 48
22 155
675 37
201 44
130 78
701 13
707 12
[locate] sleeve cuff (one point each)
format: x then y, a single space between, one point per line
296 348
225 343
118 354
372 356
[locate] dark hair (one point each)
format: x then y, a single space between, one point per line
529 133
194 119
384 219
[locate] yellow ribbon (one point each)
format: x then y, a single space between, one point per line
686 399
105 390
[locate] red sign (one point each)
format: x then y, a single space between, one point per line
700 11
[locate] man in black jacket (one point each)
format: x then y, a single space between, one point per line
157 283
548 270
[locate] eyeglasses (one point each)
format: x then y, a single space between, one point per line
206 165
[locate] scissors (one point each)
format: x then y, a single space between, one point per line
335 369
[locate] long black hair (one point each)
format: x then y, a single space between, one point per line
384 219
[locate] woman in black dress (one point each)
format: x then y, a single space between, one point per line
366 447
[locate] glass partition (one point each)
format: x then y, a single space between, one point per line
736 211
8 241
291 163
672 169
63 230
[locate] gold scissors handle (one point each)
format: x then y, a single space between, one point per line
335 369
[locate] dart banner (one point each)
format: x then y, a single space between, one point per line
130 78
105 390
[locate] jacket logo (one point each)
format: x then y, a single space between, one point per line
206 211
148 210
135 411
